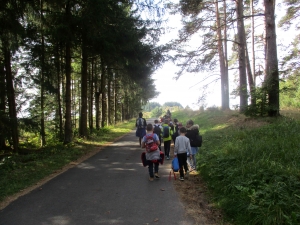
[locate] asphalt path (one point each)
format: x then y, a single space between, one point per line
111 187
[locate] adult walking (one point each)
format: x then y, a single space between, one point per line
193 134
141 125
157 129
167 137
176 130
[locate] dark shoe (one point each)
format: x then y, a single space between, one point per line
181 178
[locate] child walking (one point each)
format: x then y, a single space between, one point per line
151 142
182 147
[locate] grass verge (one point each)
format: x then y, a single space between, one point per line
250 166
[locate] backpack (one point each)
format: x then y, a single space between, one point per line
140 123
150 143
199 140
166 131
196 141
175 164
157 130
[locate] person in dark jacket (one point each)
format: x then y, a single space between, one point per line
176 130
141 125
192 132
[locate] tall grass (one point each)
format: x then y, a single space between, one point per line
251 166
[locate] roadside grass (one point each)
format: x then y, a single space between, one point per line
250 165
19 171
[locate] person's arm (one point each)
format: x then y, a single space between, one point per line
176 148
157 139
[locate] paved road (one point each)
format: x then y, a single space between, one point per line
111 187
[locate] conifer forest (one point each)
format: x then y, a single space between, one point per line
69 67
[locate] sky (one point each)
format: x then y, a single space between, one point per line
186 90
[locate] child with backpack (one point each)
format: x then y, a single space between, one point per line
141 125
182 147
167 137
157 130
151 142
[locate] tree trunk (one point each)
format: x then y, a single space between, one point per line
241 53
42 131
68 102
83 110
122 112
103 94
226 78
252 42
224 75
97 98
91 81
250 76
2 104
253 87
58 94
272 74
109 97
115 99
74 105
11 97
68 116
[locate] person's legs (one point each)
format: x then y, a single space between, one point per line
150 167
189 161
184 159
194 152
180 158
140 133
156 166
166 149
167 146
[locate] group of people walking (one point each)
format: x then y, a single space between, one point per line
186 139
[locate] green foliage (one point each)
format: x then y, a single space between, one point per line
190 7
251 166
156 112
261 105
289 97
172 104
150 106
253 173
